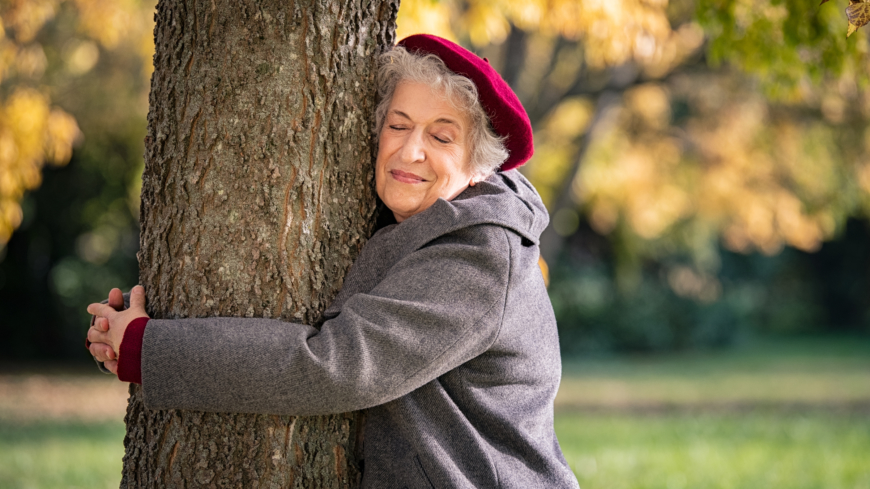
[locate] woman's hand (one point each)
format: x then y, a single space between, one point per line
107 333
101 351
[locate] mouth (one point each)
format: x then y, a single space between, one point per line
406 177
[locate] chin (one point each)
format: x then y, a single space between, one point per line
402 210
396 201
401 207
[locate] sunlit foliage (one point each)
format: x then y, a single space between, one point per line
679 164
682 126
31 132
643 106
784 41
760 178
34 130
612 31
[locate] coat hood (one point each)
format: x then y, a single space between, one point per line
505 199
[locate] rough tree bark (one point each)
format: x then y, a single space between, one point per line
256 197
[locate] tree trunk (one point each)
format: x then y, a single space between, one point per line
257 196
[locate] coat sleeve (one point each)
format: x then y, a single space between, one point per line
436 309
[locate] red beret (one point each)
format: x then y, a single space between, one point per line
506 113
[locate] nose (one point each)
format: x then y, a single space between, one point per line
413 150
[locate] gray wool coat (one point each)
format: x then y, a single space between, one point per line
443 332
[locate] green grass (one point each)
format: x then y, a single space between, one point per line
760 450
755 450
822 372
60 455
784 415
779 415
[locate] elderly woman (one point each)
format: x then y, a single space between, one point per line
442 332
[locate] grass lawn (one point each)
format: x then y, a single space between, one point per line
670 451
830 373
783 415
793 415
60 454
722 451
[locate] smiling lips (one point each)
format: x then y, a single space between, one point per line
406 177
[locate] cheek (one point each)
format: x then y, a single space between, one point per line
387 147
380 156
453 169
380 183
380 164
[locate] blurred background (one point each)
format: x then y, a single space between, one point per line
706 164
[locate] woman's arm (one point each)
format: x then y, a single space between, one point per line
436 309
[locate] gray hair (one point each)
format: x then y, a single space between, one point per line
487 149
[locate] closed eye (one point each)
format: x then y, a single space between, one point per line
442 141
397 128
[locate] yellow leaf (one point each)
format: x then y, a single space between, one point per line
858 15
545 270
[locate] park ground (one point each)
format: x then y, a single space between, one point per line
783 414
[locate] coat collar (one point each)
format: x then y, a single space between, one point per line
505 199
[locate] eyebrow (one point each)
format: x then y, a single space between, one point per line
440 120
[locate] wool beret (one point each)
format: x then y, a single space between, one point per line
506 114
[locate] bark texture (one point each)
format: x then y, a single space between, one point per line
257 196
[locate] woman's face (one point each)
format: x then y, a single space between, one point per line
422 151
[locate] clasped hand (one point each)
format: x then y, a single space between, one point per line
107 331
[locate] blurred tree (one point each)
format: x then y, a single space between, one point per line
645 130
78 234
785 42
671 150
34 131
648 131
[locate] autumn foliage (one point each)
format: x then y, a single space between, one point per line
675 131
34 131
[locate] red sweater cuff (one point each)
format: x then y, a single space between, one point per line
130 356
